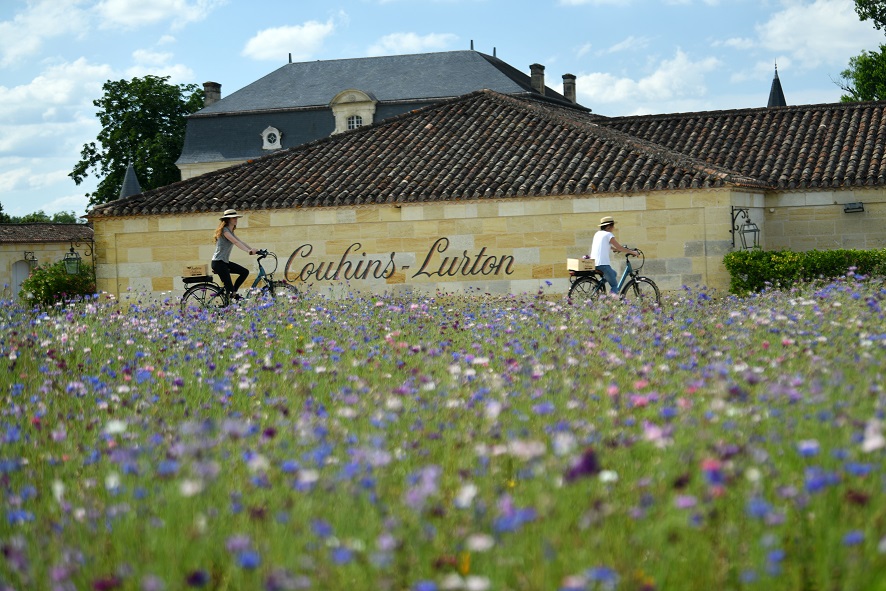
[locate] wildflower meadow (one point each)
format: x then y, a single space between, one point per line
424 443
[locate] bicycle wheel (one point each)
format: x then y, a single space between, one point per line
285 289
586 288
203 297
642 291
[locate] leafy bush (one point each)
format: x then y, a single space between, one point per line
51 283
752 270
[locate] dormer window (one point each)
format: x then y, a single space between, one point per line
352 109
271 137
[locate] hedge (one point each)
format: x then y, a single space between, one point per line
753 270
50 283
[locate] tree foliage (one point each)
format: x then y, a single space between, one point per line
874 10
865 78
59 217
143 122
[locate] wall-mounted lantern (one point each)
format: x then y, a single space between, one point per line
72 262
31 259
855 207
748 232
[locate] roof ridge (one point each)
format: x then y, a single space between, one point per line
710 114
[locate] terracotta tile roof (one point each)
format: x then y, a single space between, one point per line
483 145
42 232
797 147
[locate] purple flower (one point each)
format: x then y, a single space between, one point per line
853 538
685 502
586 465
197 578
425 586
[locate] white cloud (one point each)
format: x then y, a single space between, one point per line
673 81
583 50
24 35
630 44
302 41
816 33
64 85
132 14
401 43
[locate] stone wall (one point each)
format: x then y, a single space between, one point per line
803 221
500 246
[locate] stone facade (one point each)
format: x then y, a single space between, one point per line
502 246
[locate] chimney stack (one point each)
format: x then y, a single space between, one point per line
569 87
537 71
211 93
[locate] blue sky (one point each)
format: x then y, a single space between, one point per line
629 57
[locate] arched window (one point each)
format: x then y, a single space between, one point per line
355 121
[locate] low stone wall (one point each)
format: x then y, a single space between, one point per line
496 246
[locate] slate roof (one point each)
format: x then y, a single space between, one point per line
416 77
45 233
776 94
484 145
828 146
295 98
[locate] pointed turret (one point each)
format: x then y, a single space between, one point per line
776 96
130 183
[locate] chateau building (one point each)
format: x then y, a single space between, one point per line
303 102
492 191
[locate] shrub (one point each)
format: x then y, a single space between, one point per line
51 283
753 270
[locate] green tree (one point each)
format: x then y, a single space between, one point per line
4 219
60 217
143 122
874 10
865 78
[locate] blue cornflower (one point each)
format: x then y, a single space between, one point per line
853 538
758 508
248 559
425 586
342 555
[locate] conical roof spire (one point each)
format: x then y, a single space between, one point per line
130 183
776 95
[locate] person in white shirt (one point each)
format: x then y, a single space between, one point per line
604 243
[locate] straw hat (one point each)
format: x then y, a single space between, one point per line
606 221
230 213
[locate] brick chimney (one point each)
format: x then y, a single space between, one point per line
569 87
537 71
211 93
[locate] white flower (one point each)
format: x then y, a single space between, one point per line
479 542
465 496
475 583
115 427
608 476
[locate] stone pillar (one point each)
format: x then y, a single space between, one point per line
211 93
537 71
569 87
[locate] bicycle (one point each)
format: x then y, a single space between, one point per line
590 285
205 294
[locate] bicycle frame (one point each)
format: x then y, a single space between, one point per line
626 275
